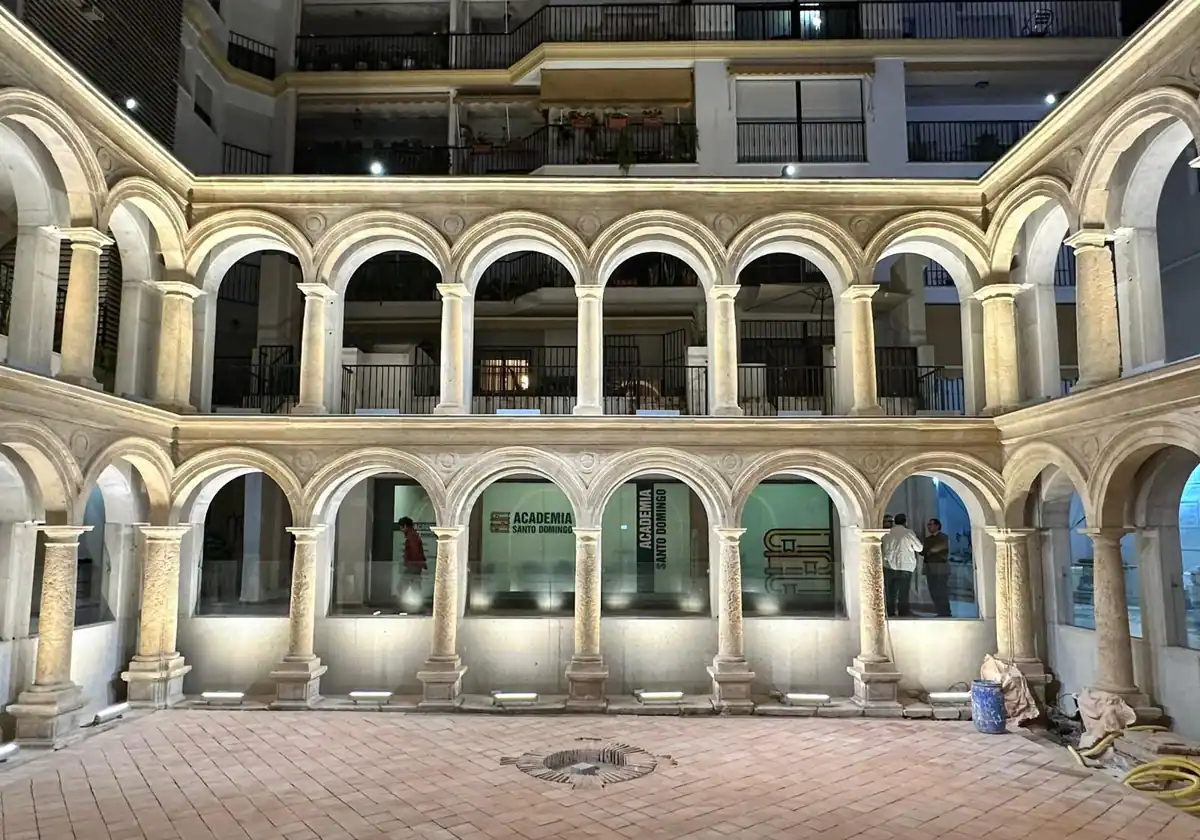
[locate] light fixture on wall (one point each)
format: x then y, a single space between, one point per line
131 104
791 171
1051 98
377 168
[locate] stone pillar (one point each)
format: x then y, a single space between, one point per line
862 351
1002 371
455 367
131 340
723 351
1096 320
443 671
1114 655
730 674
590 350
298 677
35 286
155 675
82 307
1015 637
875 676
1139 297
46 712
317 297
587 672
173 379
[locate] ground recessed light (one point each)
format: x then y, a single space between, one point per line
801 699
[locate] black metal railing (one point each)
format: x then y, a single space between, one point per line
395 276
614 143
238 160
1064 267
405 389
400 157
977 141
1069 377
271 388
935 276
663 22
6 292
771 390
909 390
516 384
806 141
251 55
629 389
240 284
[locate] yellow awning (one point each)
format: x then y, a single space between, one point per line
616 88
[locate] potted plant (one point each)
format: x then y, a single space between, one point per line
481 145
652 118
626 156
579 119
618 121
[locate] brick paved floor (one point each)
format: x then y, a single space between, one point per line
197 775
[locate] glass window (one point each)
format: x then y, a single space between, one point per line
1079 576
521 555
1189 539
246 557
93 565
379 568
654 550
1133 584
791 553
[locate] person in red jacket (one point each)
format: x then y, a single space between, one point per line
414 563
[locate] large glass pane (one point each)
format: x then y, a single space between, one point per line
654 551
1189 538
1133 583
385 553
1079 577
791 556
521 559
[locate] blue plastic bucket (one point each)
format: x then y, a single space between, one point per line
987 707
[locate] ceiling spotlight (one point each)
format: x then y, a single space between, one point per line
791 171
376 168
131 104
1050 99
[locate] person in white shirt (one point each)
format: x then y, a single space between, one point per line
900 549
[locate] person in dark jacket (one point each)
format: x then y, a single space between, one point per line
936 553
414 562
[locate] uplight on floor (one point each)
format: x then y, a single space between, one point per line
223 698
8 751
652 697
939 698
803 699
109 714
370 696
514 698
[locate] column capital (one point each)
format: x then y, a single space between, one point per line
458 291
860 291
86 237
590 533
316 290
870 535
307 535
1010 535
164 533
1000 291
724 291
179 288
1088 238
1106 535
63 534
451 533
731 535
589 292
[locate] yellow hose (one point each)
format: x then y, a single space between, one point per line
1172 778
1100 746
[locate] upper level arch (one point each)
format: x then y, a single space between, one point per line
661 231
199 478
153 465
504 234
466 487
708 484
1113 485
949 240
324 493
135 204
824 244
1018 207
56 474
850 491
1023 467
346 246
977 484
214 245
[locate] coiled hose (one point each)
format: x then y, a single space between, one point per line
1172 779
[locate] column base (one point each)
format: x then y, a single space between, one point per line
1088 384
175 408
448 409
310 410
866 411
588 411
876 685
586 677
997 410
298 683
1036 676
48 716
726 411
442 683
82 381
1141 704
731 680
156 682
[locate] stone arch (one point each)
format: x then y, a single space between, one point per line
1114 480
703 479
508 233
153 465
826 245
660 231
1116 135
850 491
76 164
163 211
983 485
955 243
466 486
56 474
1021 470
343 248
215 468
324 492
214 245
1017 208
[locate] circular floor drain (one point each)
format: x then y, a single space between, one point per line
591 763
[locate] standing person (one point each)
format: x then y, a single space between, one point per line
414 562
935 551
900 548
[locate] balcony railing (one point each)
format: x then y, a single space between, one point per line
404 389
978 141
6 291
807 141
634 388
252 56
769 390
935 276
671 22
271 388
399 158
238 160
527 386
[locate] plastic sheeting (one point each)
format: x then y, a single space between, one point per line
1019 702
1102 713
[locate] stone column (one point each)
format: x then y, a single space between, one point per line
46 712
1015 639
132 340
312 354
723 351
443 671
1139 297
155 675
590 350
875 676
35 285
587 672
298 676
1002 371
730 674
1096 320
173 378
1114 655
862 332
455 368
82 311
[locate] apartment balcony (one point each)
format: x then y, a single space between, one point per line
806 141
801 390
251 55
663 22
238 160
976 141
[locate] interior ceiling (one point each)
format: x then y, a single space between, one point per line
1009 87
